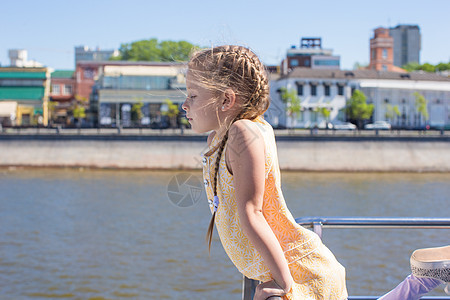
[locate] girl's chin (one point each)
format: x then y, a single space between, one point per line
199 130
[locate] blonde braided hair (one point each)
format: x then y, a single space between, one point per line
238 68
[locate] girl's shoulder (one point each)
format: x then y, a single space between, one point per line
256 128
245 127
243 134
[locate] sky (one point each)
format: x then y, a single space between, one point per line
49 29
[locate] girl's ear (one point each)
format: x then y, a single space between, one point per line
229 99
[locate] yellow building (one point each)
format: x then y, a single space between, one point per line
24 96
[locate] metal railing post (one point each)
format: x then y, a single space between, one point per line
248 288
317 228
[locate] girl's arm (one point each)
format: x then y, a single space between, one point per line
246 156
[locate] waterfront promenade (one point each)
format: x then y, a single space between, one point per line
299 150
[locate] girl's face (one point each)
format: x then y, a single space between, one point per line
201 107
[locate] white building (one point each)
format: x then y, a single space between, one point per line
84 53
121 84
311 55
19 58
332 89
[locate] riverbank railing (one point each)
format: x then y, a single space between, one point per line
317 224
143 131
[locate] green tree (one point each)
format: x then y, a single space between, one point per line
152 50
412 66
391 112
428 68
443 67
293 103
357 65
136 112
78 109
175 51
358 109
421 106
325 112
51 111
172 111
79 113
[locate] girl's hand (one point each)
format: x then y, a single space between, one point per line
268 289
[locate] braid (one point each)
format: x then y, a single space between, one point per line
253 69
209 233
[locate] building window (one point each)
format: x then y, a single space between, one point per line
307 63
88 73
294 62
340 90
300 89
26 119
384 53
373 54
67 89
341 115
314 116
56 89
327 90
384 67
21 82
329 62
138 82
386 100
313 90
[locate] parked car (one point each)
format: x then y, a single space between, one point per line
344 126
320 125
380 125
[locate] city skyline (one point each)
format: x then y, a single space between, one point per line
50 30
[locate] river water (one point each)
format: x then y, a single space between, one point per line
104 234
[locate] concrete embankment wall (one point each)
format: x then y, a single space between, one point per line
330 154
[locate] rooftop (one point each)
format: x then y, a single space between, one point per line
363 74
62 74
23 73
130 63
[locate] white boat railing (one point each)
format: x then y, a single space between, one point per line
317 224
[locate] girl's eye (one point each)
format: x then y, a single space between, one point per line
192 97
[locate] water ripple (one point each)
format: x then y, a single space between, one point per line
114 234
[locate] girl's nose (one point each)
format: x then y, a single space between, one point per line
184 106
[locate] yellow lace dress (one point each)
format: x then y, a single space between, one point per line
316 272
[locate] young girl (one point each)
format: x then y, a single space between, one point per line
228 93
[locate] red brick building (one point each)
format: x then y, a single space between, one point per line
61 95
382 51
85 74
